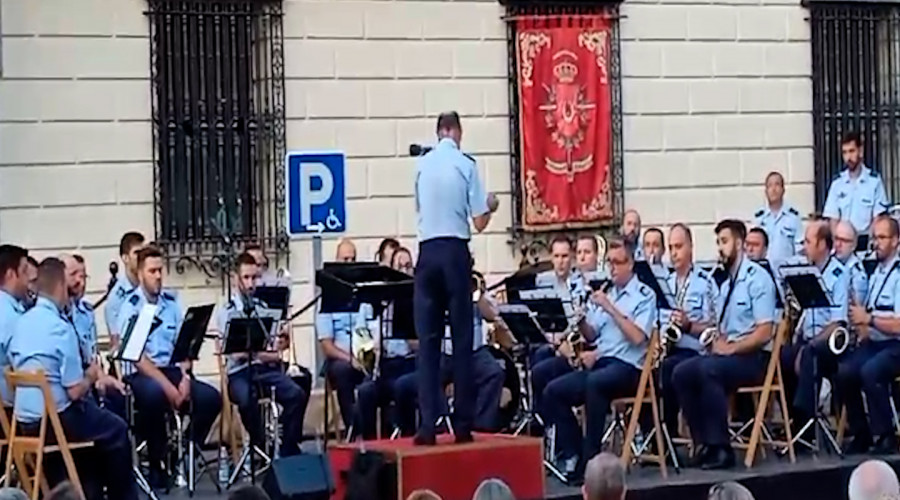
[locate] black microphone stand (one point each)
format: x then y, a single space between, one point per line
227 264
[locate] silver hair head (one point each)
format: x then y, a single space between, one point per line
873 480
12 494
729 491
493 489
604 478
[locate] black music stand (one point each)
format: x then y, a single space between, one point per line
274 297
549 313
523 279
779 300
862 243
645 275
869 266
807 287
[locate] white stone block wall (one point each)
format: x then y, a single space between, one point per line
715 94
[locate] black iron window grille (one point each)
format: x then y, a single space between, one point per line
217 76
856 87
531 243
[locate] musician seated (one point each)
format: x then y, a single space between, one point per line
845 251
81 314
568 285
693 291
808 359
335 331
745 312
757 244
268 277
158 385
618 323
45 340
872 367
487 374
129 245
398 359
13 293
267 375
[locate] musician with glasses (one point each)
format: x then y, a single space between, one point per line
845 251
693 290
808 359
159 386
396 360
873 366
618 323
267 374
738 356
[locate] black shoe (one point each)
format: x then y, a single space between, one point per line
859 446
700 456
464 437
885 445
423 439
721 457
157 479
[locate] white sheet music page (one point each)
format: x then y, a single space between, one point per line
134 345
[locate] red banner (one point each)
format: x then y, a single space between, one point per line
564 122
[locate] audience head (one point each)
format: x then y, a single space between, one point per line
386 250
561 255
604 478
493 489
16 494
346 251
873 480
729 491
248 492
423 495
654 245
844 239
401 260
756 245
64 491
14 270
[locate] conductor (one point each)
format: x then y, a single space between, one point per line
448 193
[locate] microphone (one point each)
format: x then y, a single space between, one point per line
113 274
419 150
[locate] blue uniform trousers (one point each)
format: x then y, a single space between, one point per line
542 353
110 463
667 387
803 366
544 372
607 379
344 378
488 376
379 393
287 393
703 384
114 401
152 406
443 284
871 368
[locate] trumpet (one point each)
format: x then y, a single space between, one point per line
293 368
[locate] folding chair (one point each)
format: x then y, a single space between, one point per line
646 393
762 395
22 446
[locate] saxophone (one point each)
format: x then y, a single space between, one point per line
709 335
672 333
846 335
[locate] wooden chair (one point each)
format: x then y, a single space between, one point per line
646 393
762 394
22 446
231 432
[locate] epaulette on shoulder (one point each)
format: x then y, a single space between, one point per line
751 270
134 299
794 211
759 213
87 305
874 173
168 294
838 271
702 274
469 157
645 290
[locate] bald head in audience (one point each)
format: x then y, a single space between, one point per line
873 480
729 491
604 478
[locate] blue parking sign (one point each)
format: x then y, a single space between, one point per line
316 192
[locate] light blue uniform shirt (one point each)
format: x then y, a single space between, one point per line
114 301
45 340
696 303
11 309
637 302
477 332
166 323
233 308
859 280
856 200
393 348
448 193
752 302
837 286
883 299
338 326
86 327
785 231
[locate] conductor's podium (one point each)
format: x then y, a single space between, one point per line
451 470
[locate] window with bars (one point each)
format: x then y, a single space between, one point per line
856 87
217 76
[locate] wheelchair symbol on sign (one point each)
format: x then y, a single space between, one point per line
332 221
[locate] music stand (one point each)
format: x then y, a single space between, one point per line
862 243
807 287
192 332
274 297
779 300
869 266
645 275
523 279
549 313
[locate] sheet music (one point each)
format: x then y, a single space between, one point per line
549 293
137 337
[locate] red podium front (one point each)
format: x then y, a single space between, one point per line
453 471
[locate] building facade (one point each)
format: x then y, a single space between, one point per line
714 94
